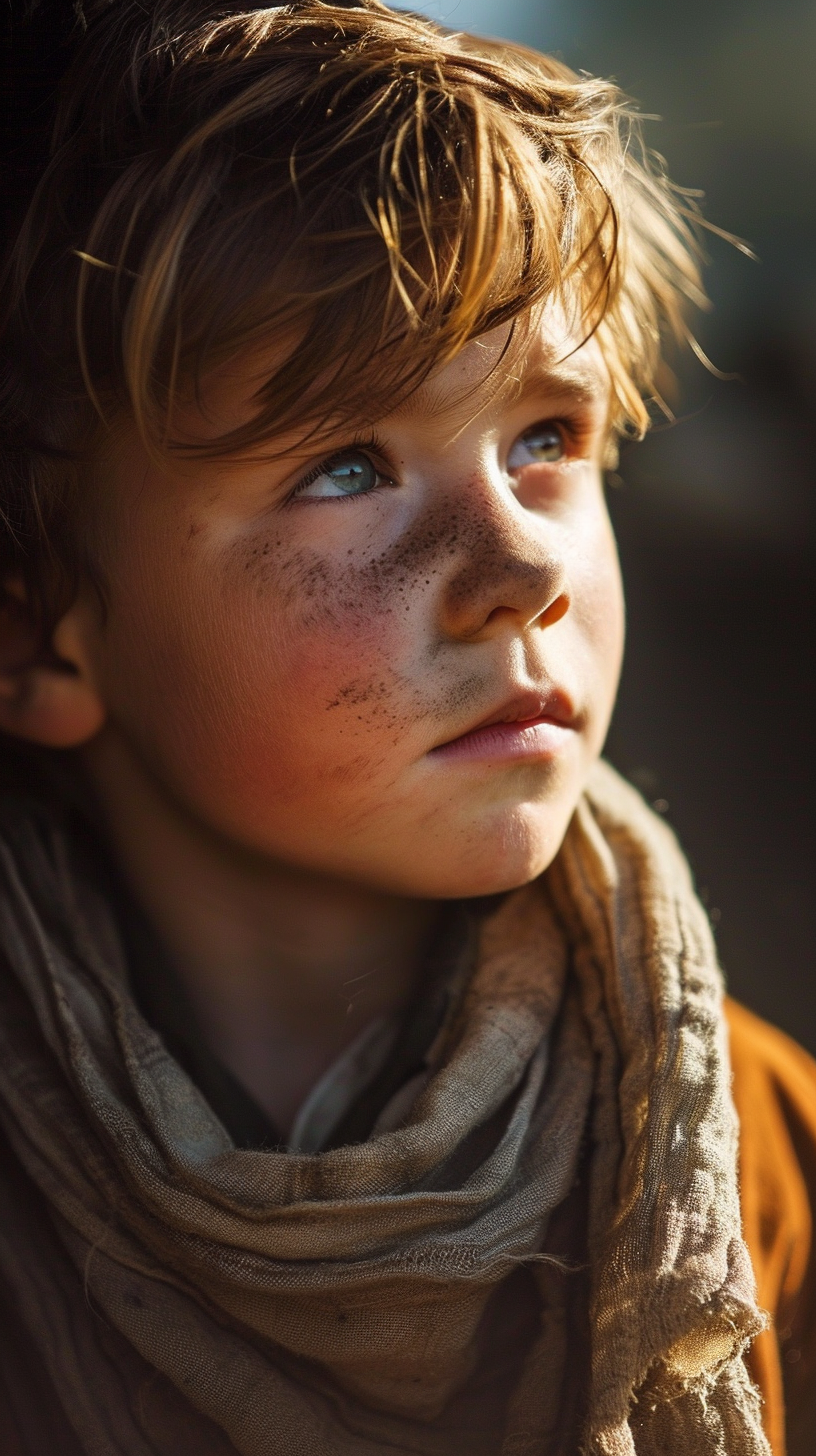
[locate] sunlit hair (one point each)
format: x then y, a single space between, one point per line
352 182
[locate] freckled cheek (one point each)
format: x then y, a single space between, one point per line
329 618
284 679
252 725
247 683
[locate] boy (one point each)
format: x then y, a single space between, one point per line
364 1073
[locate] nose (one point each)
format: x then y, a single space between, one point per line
506 570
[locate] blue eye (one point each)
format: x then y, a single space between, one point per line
542 444
351 473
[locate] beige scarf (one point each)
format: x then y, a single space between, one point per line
330 1304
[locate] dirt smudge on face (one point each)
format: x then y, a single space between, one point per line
463 552
474 548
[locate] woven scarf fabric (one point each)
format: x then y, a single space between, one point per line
330 1304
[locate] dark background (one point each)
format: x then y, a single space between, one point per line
716 515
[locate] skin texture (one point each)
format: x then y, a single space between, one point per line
260 704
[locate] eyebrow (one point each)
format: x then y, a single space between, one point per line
584 386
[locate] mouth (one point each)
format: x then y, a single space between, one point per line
529 726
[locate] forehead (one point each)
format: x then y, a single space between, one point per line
539 355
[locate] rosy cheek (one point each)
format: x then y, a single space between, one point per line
324 621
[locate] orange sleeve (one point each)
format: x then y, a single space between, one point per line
775 1096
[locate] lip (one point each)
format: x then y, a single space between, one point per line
530 726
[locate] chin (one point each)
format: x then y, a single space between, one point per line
495 880
495 858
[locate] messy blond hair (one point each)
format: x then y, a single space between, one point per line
349 178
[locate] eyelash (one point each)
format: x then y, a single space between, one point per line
369 444
572 430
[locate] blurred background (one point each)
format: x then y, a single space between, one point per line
716 514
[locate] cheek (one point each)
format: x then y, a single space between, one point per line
590 644
246 670
315 639
599 608
350 636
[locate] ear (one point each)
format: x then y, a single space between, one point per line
48 693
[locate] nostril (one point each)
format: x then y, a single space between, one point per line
554 612
498 614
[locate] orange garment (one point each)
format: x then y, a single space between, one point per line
775 1096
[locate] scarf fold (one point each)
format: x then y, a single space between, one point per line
332 1303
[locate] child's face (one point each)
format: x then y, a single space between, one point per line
289 648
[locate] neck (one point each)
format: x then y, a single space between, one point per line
283 967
